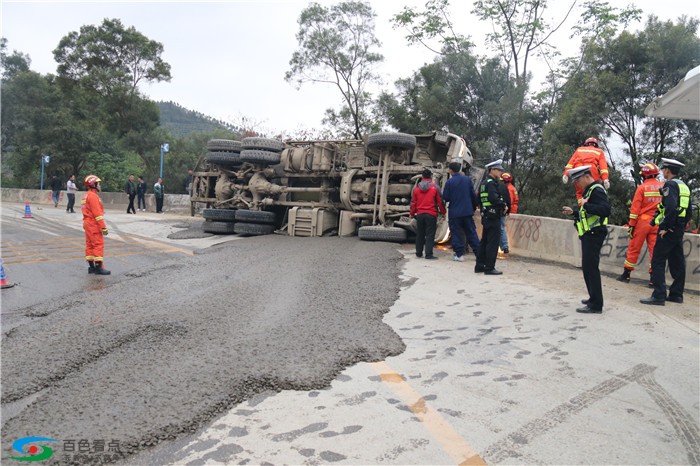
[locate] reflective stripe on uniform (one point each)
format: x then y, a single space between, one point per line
633 216
630 265
89 258
99 218
99 259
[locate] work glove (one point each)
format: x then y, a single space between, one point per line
565 179
606 184
630 232
105 232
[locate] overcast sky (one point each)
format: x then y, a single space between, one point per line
228 58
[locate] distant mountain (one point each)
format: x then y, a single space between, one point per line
182 122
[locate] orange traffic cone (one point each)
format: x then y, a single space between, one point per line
3 278
27 211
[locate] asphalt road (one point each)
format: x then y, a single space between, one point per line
313 351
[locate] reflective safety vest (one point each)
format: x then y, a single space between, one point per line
587 222
484 195
683 203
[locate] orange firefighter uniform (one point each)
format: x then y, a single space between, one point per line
589 155
643 209
514 198
94 226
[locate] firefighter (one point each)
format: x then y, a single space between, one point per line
512 202
492 207
646 198
673 213
591 220
588 154
94 226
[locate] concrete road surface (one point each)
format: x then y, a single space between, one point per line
285 350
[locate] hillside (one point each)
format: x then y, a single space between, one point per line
182 122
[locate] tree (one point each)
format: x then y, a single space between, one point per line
11 65
336 46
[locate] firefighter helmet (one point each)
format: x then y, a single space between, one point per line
91 181
591 141
649 170
507 177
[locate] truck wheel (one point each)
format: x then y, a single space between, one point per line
380 233
222 215
224 228
400 140
223 158
256 216
223 145
260 156
270 145
253 229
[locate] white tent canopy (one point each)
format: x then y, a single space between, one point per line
682 102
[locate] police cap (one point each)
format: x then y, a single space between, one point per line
497 164
578 172
668 163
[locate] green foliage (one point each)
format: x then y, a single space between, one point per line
181 122
336 46
11 65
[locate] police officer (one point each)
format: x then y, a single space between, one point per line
591 219
673 214
492 207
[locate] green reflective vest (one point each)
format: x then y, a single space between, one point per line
683 203
587 222
484 195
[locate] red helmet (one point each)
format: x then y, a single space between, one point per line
91 181
591 141
649 169
507 177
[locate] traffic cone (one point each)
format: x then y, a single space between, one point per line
3 278
27 211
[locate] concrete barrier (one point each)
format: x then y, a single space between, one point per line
556 240
174 203
535 237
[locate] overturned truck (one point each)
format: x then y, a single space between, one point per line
312 188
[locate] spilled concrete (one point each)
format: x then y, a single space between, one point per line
159 351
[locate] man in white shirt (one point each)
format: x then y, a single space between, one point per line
71 188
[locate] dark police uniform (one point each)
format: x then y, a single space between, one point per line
673 214
492 208
591 223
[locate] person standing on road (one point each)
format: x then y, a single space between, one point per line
159 191
644 207
425 205
55 190
94 226
591 220
188 181
141 193
460 195
673 213
493 207
130 190
512 209
505 194
588 154
71 189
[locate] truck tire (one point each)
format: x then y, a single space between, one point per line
223 158
400 140
380 233
256 216
260 156
270 145
253 229
222 215
223 145
223 228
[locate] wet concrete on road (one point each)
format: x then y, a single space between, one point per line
160 350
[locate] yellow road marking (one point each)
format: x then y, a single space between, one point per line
452 443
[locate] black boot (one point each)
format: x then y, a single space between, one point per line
99 270
91 267
625 277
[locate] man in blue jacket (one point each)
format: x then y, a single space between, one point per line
460 195
425 205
